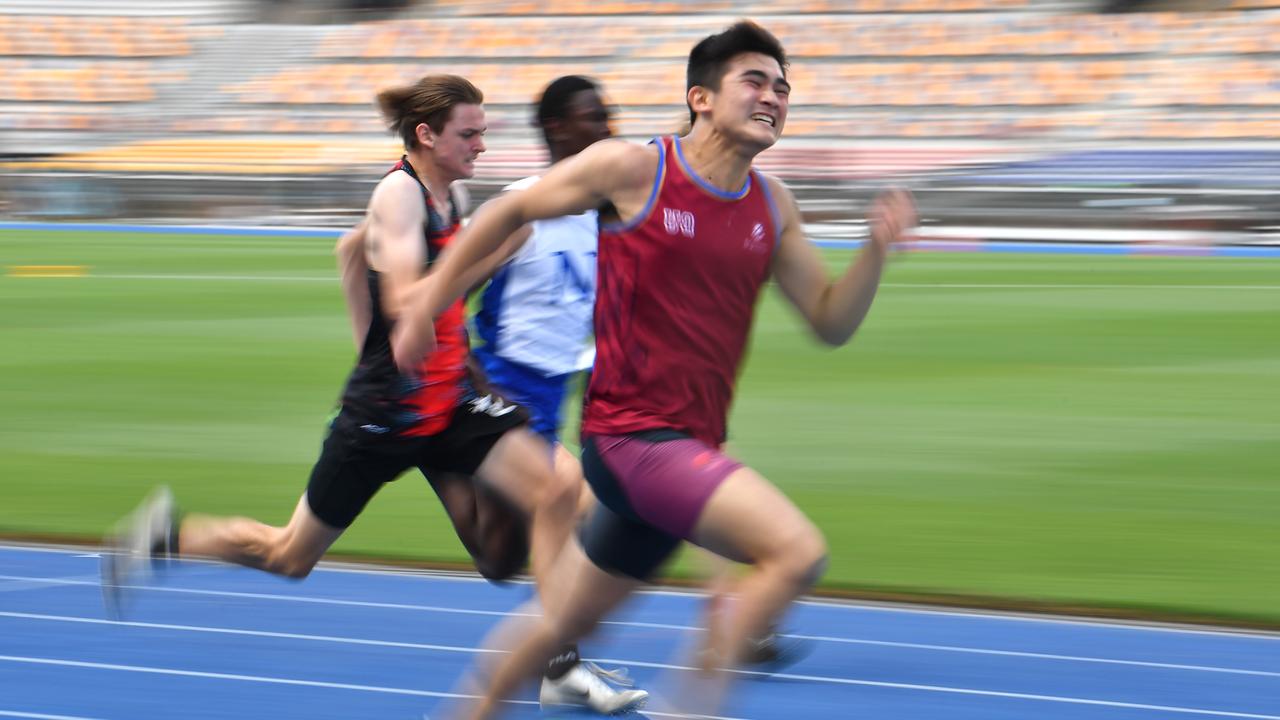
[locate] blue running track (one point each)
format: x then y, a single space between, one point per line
211 641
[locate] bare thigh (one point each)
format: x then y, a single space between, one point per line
748 519
519 468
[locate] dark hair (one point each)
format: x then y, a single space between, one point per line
554 102
709 57
430 100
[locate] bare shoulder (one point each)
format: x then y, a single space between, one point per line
396 194
777 188
783 199
621 163
641 162
626 180
622 151
394 184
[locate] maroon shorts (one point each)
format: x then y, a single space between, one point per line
652 488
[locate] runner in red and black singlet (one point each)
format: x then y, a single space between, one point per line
491 472
378 398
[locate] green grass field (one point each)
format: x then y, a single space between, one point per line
1083 431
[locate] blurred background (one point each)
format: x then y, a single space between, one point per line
1066 400
1048 113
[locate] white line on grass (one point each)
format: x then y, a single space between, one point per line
938 286
786 676
1073 286
219 278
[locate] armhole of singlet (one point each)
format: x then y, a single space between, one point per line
455 207
773 209
643 215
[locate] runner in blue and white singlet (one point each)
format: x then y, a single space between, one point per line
534 326
535 315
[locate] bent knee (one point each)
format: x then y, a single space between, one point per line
290 565
559 492
802 560
293 570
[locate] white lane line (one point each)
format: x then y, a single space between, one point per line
19 584
235 676
501 613
290 681
266 596
857 605
787 676
250 633
1033 696
1104 623
1036 656
819 638
41 716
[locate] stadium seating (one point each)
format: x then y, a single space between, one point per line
901 71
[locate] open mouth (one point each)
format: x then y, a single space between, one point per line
764 118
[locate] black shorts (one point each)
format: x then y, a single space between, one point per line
354 463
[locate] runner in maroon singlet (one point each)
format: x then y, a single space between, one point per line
696 233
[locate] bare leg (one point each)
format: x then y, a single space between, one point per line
569 470
749 520
590 594
292 550
720 593
518 467
492 529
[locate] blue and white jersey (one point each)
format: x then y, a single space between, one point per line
537 309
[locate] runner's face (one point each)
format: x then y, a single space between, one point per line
586 121
460 142
752 102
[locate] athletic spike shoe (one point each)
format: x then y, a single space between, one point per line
584 685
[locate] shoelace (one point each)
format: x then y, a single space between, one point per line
618 676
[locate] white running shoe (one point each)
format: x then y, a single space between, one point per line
584 685
138 545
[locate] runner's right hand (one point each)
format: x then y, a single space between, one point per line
411 340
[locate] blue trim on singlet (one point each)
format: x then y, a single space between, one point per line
486 318
773 212
722 194
653 194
